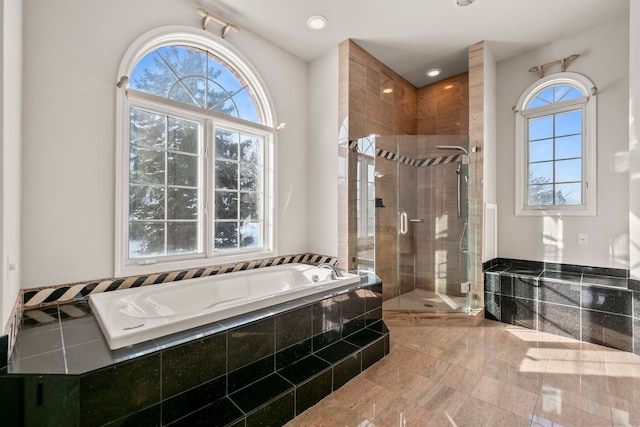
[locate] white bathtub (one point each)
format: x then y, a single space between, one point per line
135 315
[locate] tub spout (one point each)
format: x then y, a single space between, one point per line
335 272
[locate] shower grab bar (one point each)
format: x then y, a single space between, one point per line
404 226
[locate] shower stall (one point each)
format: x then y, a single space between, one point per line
412 220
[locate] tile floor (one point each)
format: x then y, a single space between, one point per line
420 300
491 375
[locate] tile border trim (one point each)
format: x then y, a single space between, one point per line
52 295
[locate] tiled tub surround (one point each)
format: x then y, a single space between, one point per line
597 305
54 295
259 369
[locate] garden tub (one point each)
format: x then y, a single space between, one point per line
131 316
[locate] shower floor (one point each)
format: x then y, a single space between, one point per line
423 301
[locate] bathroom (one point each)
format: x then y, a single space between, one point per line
58 181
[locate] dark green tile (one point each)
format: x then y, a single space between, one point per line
353 304
313 391
261 392
192 400
189 365
148 417
51 400
112 393
304 369
559 293
326 338
250 373
559 320
607 329
615 301
372 354
292 354
363 337
249 343
337 351
293 327
220 413
12 399
326 315
273 414
346 370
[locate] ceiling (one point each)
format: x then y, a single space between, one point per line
411 36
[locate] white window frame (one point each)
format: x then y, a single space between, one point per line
209 121
589 144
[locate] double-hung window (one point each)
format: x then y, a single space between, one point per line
556 147
195 157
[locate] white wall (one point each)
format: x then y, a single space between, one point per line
72 50
634 139
10 135
323 154
605 60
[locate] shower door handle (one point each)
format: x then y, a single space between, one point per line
404 223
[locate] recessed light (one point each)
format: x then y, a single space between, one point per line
317 22
433 72
387 90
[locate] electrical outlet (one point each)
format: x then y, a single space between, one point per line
583 239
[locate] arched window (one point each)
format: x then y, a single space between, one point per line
556 147
195 155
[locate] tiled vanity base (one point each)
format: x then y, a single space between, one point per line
262 369
590 304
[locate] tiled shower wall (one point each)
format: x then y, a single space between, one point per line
438 109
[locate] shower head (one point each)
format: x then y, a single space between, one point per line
452 147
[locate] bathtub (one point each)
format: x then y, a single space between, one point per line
132 316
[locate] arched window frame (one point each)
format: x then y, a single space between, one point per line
209 121
589 144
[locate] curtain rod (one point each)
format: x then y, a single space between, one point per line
562 62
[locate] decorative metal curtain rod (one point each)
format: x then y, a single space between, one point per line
208 16
562 62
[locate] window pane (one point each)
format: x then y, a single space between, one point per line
196 87
226 144
152 75
569 194
569 123
146 202
146 239
249 207
251 149
569 147
182 170
147 129
226 175
250 235
182 204
560 92
541 173
184 60
541 150
246 107
569 170
182 238
226 235
146 166
541 195
250 177
183 135
181 94
540 128
226 205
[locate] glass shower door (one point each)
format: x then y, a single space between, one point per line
421 235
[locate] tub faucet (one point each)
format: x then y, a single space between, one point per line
335 272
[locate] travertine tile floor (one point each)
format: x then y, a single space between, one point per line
491 375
